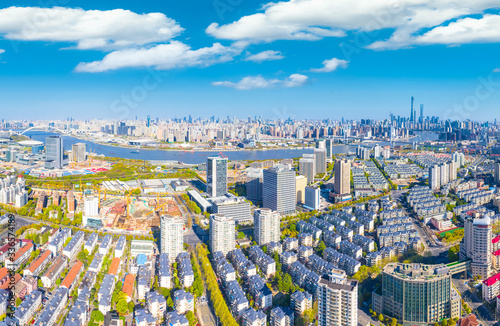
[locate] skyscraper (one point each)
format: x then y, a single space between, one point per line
329 147
216 176
54 152
312 198
279 189
78 151
481 253
266 226
497 173
435 177
307 166
337 300
412 117
171 241
300 188
342 182
222 233
421 120
254 183
320 160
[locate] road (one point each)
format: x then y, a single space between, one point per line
482 313
205 316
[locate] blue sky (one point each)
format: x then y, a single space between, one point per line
86 59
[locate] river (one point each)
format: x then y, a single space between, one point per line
201 156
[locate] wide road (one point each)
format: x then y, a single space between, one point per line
483 314
204 314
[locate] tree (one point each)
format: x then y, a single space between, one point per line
170 303
97 316
394 322
241 235
190 318
321 247
381 318
122 307
18 302
131 306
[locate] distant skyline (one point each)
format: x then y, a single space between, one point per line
308 59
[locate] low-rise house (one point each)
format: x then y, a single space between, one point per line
52 311
25 312
78 315
261 293
73 275
144 318
287 258
96 264
164 272
128 286
351 250
305 239
39 264
174 319
120 246
281 316
183 301
143 282
240 262
236 297
300 302
114 267
266 264
304 253
105 293
56 245
105 244
185 270
254 318
54 271
74 245
21 256
91 242
156 303
290 244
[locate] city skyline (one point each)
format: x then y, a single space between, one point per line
317 67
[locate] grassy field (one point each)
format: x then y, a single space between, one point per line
441 234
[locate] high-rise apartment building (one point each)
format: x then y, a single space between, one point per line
300 188
320 154
312 198
477 245
417 294
307 167
78 151
254 183
54 152
222 233
497 173
337 300
329 148
216 176
266 226
342 179
279 189
435 177
172 241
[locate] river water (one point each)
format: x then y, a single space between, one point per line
201 156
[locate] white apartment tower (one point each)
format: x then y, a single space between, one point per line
320 154
337 300
307 167
222 233
172 241
266 226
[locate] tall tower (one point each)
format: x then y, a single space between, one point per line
278 190
320 160
267 226
171 241
222 237
421 113
411 110
342 180
216 176
54 152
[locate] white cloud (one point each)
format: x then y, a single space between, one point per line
2 51
496 70
89 29
331 65
264 56
162 57
466 30
253 82
316 19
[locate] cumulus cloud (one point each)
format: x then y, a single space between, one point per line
88 29
2 51
316 19
496 70
264 56
331 65
162 57
253 82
